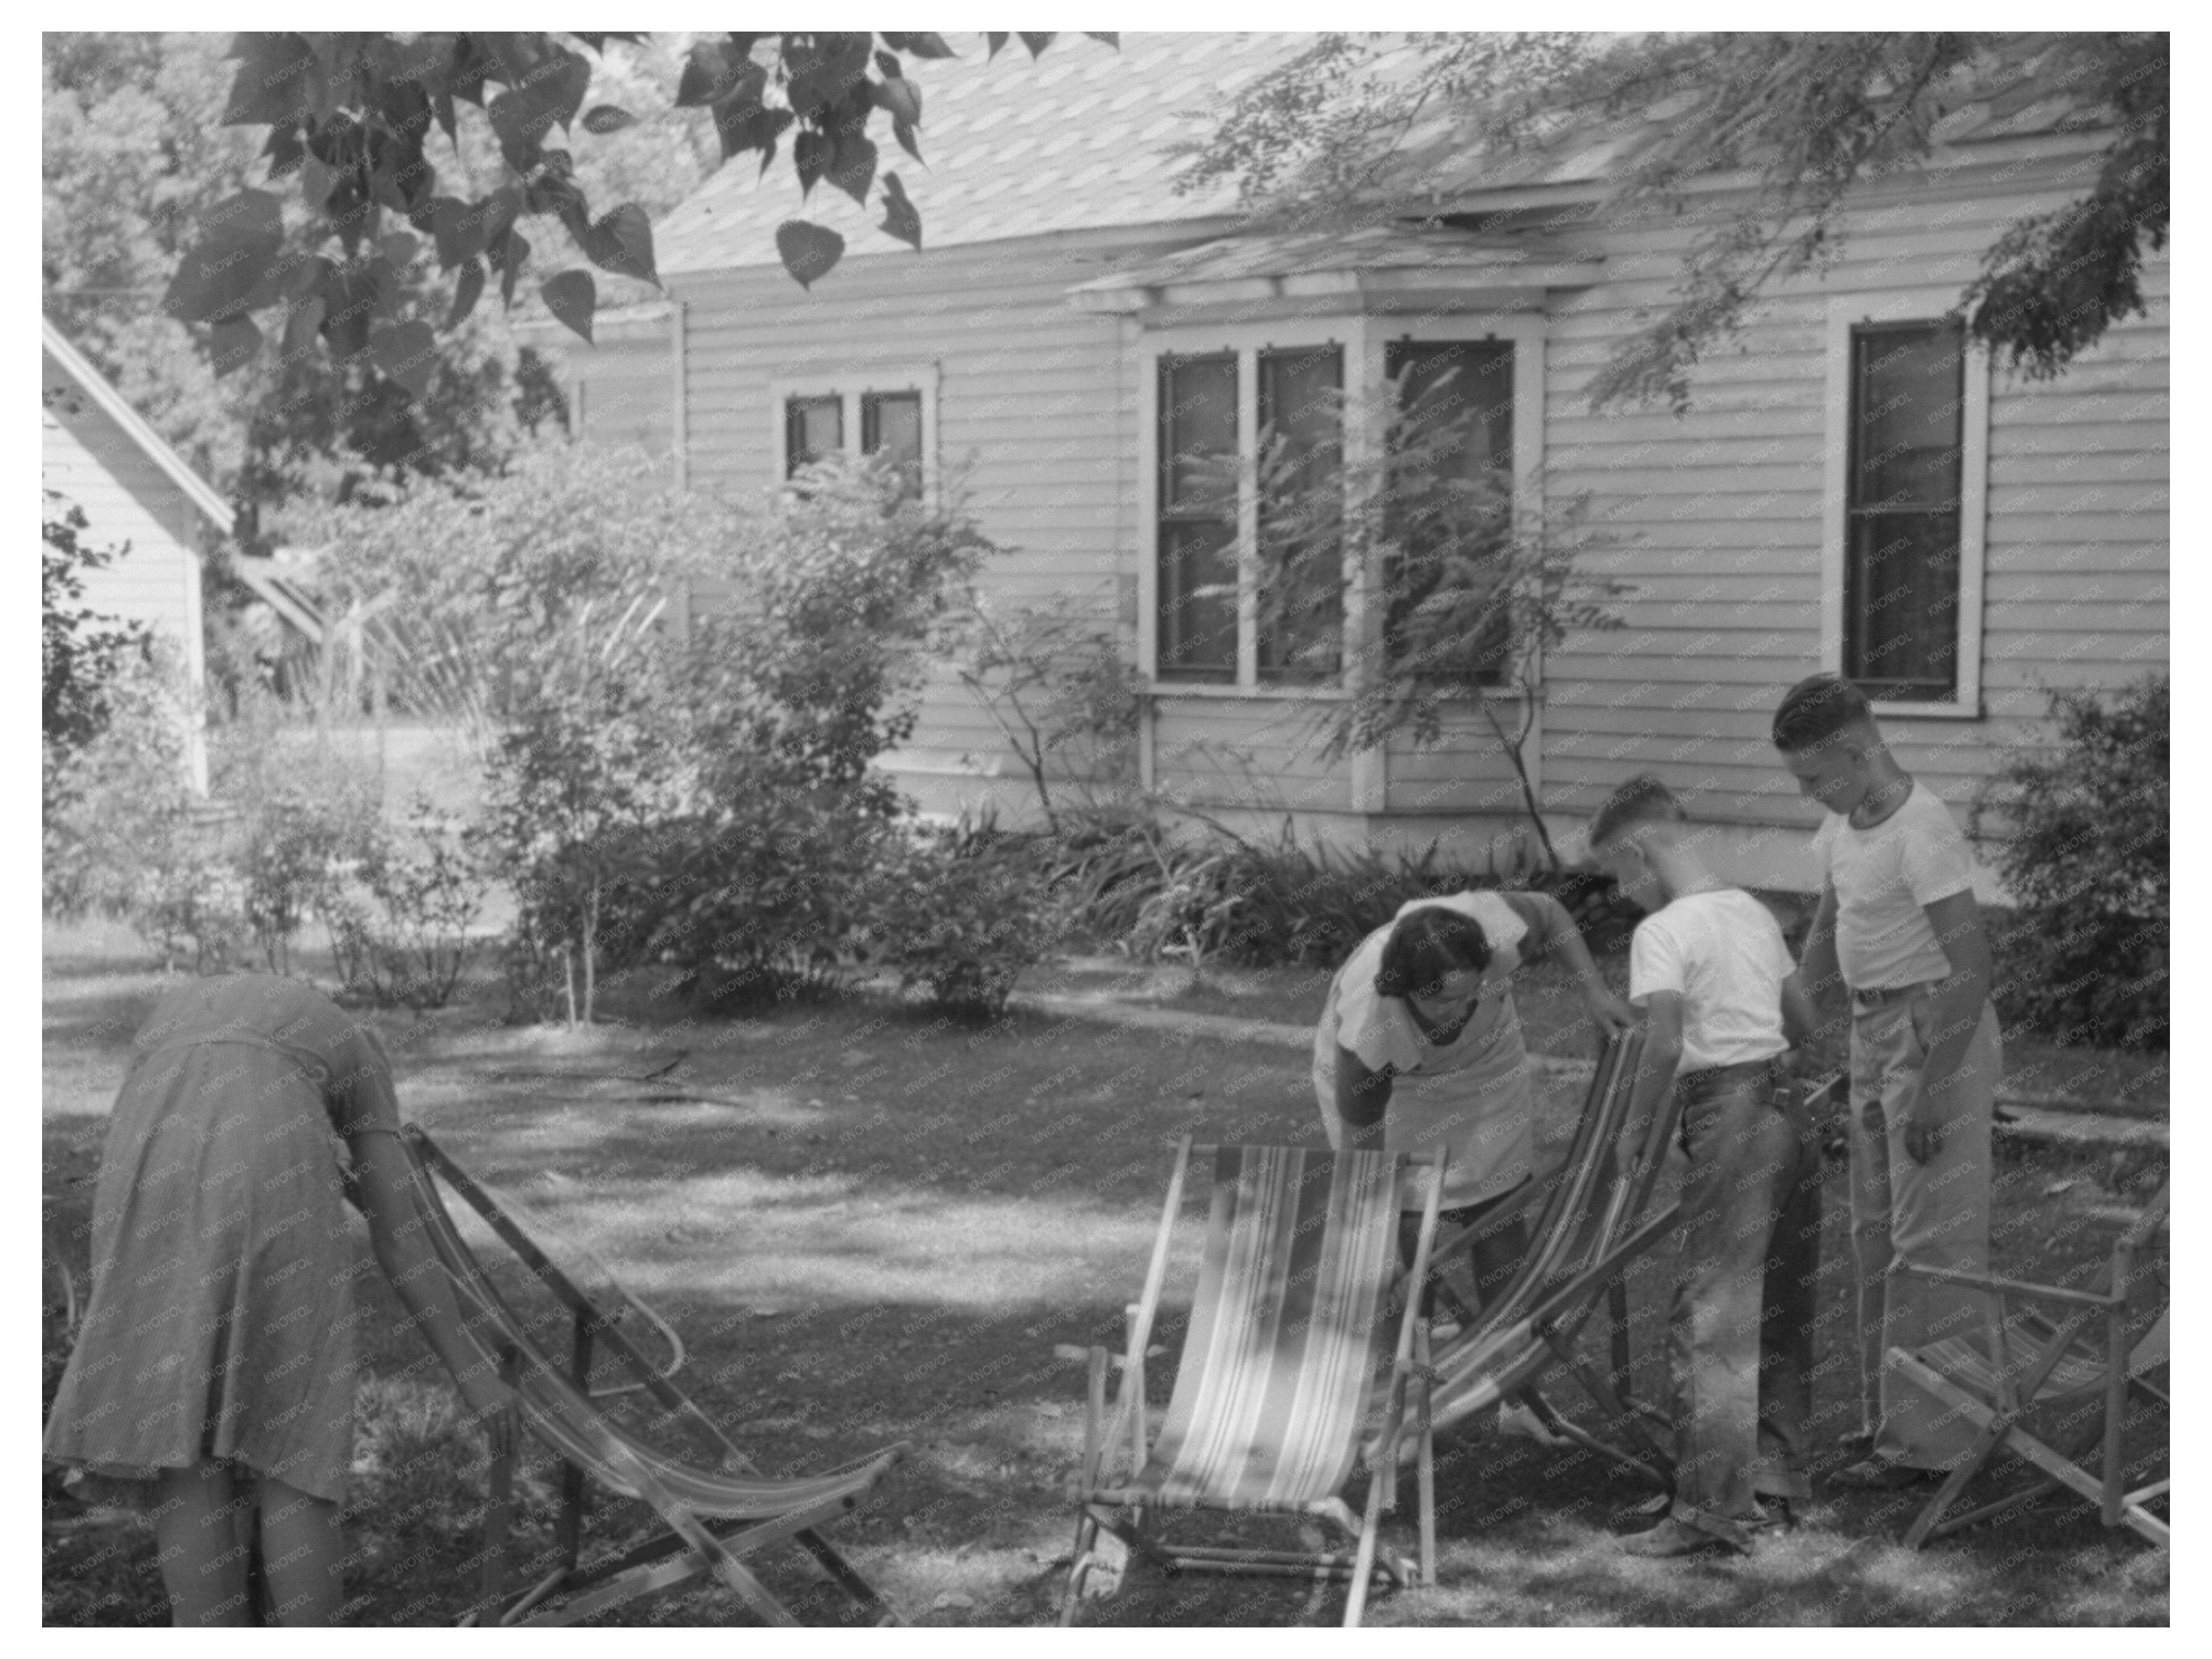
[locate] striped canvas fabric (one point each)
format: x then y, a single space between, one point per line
1285 1351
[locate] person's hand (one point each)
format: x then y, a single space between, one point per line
1613 1015
1927 1120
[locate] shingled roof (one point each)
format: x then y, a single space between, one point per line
1077 139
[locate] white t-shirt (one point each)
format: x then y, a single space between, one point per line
1882 877
1723 954
1474 1095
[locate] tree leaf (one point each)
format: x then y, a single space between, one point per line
547 95
903 131
466 292
740 131
888 63
900 218
622 242
400 247
510 255
238 241
604 119
811 153
301 328
809 251
1037 43
459 229
994 41
572 296
318 178
713 70
231 344
1108 37
822 69
406 353
901 97
278 80
854 168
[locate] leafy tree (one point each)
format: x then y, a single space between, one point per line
1358 126
351 119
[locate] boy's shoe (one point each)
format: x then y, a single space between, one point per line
1880 1474
1671 1541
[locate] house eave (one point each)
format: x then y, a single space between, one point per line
1316 294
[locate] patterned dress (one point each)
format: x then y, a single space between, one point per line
220 1321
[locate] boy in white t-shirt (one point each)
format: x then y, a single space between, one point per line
1897 922
1722 1007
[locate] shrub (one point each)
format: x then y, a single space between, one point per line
400 927
963 912
2084 957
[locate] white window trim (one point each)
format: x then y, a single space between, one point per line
1925 305
849 388
1364 340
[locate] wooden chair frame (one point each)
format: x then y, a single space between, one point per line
712 1515
2020 1387
1119 1510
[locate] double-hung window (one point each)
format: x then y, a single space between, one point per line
1262 438
891 412
1909 423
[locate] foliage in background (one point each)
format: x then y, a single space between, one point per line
401 922
960 912
1359 127
2084 957
351 121
1054 680
81 651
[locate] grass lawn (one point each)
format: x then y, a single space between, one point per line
869 1226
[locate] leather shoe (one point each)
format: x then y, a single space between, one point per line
1670 1540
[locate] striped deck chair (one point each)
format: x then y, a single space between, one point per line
1287 1358
712 1515
2046 1366
1590 1232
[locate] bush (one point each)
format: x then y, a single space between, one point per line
2084 957
399 928
963 912
1205 893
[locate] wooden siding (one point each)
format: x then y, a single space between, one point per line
127 499
623 390
1717 517
1035 409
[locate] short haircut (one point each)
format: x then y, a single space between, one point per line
1643 800
1816 709
1425 944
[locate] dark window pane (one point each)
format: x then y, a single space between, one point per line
1198 600
1902 616
1449 507
890 425
1197 435
1901 549
813 428
1301 573
1907 425
1197 525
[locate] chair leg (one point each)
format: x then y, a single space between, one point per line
506 1435
1362 1566
1426 1469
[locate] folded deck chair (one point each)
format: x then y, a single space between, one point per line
1288 1353
1591 1231
712 1515
2043 1364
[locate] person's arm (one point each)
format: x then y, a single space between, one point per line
1957 1007
1818 968
1801 1021
383 1187
1553 932
1362 1098
1655 1071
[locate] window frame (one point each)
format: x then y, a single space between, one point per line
850 387
1927 306
1364 338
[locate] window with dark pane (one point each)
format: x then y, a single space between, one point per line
813 429
890 425
1447 511
1300 579
1197 622
1902 511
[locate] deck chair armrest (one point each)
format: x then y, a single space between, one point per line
1081 1355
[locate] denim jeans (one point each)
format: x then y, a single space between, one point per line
1740 1334
1935 1214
